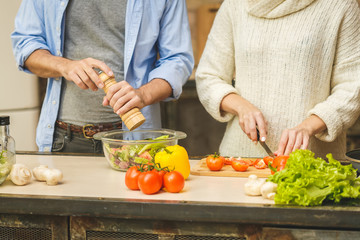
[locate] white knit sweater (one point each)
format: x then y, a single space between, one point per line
291 59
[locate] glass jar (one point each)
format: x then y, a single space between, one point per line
7 148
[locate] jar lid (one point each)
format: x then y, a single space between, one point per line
4 120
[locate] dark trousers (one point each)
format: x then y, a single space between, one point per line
67 141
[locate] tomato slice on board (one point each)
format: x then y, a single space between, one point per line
260 164
268 159
228 160
239 165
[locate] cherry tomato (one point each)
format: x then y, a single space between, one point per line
131 178
239 165
214 162
268 159
149 182
161 173
174 181
260 164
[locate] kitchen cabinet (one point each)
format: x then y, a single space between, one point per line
92 202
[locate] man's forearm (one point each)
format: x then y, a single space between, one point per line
155 91
44 64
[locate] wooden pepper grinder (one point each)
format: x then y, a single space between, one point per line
132 118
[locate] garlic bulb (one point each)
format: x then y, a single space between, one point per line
20 174
52 176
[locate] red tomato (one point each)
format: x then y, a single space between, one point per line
174 181
131 178
228 160
251 161
239 165
161 173
279 163
260 164
268 159
214 162
149 182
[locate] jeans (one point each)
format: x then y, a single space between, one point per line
71 142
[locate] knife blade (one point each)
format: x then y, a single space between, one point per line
264 145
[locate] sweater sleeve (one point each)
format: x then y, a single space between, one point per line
216 68
341 109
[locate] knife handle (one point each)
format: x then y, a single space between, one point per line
133 118
258 134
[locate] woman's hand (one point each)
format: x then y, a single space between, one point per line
249 116
299 136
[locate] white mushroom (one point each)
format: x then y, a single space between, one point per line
20 174
52 176
253 186
39 171
268 190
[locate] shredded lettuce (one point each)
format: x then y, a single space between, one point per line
310 181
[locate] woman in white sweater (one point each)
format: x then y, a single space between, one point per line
296 65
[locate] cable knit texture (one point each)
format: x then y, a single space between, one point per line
293 58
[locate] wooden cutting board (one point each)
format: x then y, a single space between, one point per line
201 169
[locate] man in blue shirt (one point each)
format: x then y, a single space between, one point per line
147 43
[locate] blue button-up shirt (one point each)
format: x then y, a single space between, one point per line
151 27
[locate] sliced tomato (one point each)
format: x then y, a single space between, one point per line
249 161
260 164
228 160
268 159
278 163
239 165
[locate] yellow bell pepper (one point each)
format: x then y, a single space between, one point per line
175 158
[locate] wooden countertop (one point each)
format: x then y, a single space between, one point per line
91 188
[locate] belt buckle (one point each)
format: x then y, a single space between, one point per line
84 130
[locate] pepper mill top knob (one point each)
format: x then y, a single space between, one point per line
133 118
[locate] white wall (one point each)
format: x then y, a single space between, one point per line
19 91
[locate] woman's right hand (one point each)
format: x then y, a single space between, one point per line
250 117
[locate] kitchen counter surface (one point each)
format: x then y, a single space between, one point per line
91 188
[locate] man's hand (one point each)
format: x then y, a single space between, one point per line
122 97
81 72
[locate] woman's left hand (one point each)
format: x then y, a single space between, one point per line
299 136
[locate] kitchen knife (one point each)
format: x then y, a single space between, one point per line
264 145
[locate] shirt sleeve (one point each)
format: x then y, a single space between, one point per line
29 33
341 109
176 60
217 65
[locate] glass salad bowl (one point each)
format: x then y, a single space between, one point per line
123 149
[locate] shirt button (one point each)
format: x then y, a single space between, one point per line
54 102
58 53
49 125
62 4
46 149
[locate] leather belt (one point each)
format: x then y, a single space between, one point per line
89 130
